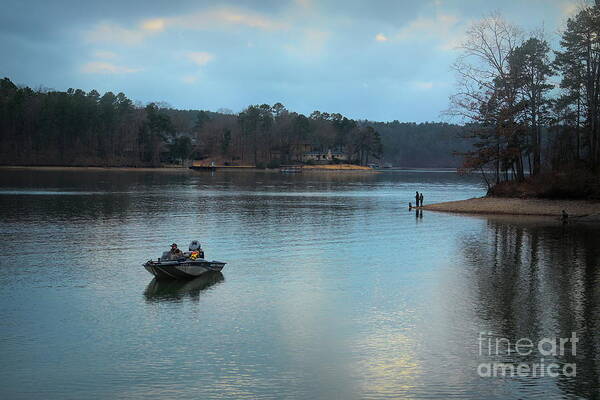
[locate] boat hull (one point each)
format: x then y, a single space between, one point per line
188 269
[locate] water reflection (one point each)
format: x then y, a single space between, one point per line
333 291
538 279
175 291
418 214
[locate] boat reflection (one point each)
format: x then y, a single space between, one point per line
174 290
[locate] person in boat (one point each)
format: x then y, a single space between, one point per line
175 253
195 250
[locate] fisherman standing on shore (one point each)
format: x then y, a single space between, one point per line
417 199
421 199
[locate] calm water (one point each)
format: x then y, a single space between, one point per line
333 289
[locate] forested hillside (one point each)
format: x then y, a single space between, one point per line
426 145
90 129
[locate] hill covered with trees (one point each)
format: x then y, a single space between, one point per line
424 145
521 126
75 128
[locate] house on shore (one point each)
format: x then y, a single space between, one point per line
325 157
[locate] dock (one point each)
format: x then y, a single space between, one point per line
290 169
200 166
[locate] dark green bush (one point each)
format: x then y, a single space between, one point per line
273 164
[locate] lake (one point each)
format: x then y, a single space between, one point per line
332 289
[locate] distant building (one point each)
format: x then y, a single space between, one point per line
325 157
289 153
309 153
299 149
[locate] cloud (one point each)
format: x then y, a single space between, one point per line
157 24
428 85
189 79
217 18
380 37
304 3
200 58
444 28
432 27
309 45
105 54
571 8
221 17
102 67
109 32
421 85
315 40
251 20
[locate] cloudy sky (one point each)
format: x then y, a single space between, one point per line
380 60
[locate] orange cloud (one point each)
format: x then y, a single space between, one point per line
218 18
380 37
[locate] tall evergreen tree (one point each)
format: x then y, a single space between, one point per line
530 69
579 65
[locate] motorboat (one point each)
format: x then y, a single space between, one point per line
188 265
290 169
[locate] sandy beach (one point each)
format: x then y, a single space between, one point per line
577 209
338 167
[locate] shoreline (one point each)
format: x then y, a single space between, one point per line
338 168
77 168
578 210
310 169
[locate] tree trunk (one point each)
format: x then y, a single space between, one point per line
577 126
497 158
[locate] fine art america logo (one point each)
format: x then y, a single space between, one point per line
491 346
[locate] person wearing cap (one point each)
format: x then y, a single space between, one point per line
175 253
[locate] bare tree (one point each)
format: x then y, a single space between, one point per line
486 93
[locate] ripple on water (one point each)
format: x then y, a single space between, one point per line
333 288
